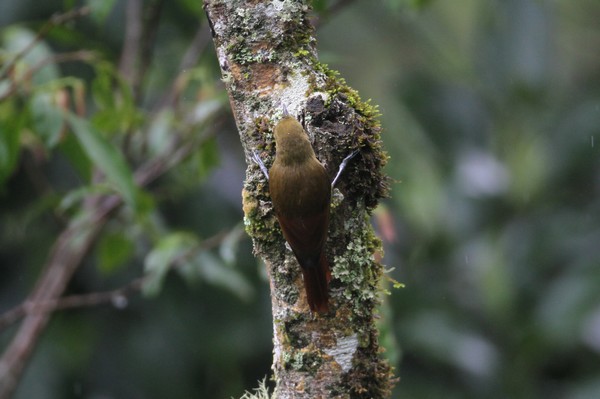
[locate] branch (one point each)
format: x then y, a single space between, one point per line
118 296
67 253
268 59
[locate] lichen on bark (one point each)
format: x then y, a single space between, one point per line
267 54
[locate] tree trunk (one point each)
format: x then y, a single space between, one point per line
266 50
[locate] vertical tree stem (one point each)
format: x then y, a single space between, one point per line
266 50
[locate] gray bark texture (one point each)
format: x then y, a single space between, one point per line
267 53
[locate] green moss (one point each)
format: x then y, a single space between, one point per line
302 360
298 37
262 136
372 378
357 270
242 54
258 222
286 289
354 268
361 121
265 231
296 332
301 53
334 84
249 43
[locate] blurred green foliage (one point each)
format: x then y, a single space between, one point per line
491 116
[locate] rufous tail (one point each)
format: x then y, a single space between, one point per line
316 283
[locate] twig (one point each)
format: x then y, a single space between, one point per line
55 20
132 40
147 49
54 59
73 301
190 58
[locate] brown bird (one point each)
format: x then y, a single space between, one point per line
301 192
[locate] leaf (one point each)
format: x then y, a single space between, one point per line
230 244
9 152
192 7
204 110
69 4
113 251
102 86
100 9
105 157
116 109
159 136
71 199
320 6
15 39
74 152
210 268
47 118
158 262
207 157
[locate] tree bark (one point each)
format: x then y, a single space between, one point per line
266 51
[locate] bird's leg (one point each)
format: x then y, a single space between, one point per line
260 163
343 166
